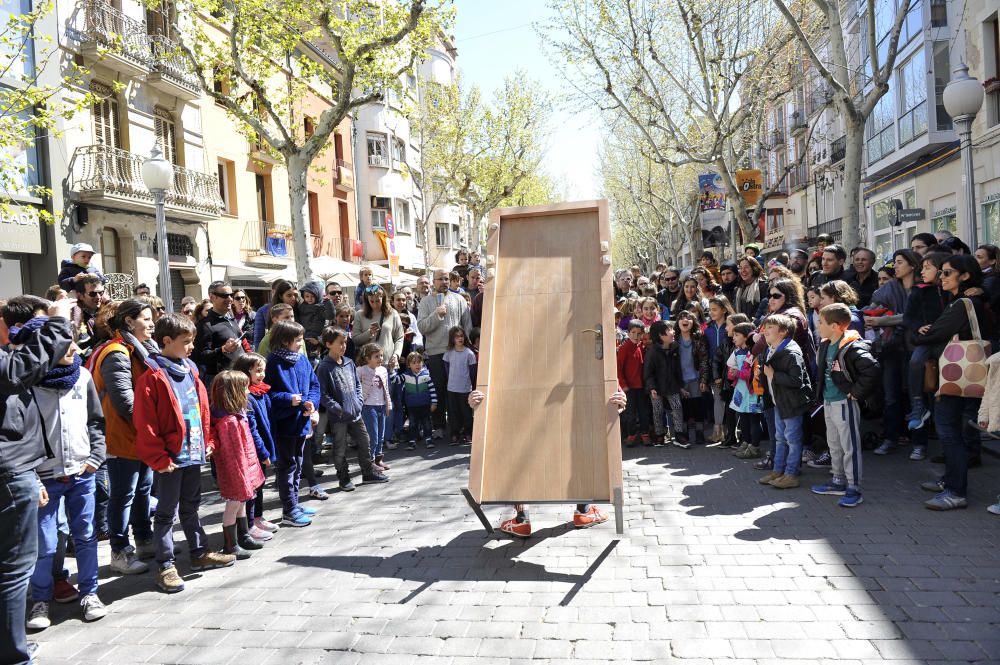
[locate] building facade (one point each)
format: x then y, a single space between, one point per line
228 208
387 194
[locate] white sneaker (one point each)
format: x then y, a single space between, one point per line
260 534
264 525
318 492
38 618
995 508
93 608
125 563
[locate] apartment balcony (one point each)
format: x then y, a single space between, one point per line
111 177
334 247
777 137
344 178
170 70
838 150
798 177
798 123
115 40
833 227
264 241
819 100
774 239
380 161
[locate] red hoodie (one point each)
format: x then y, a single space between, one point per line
630 356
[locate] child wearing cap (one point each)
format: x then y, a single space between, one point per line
77 265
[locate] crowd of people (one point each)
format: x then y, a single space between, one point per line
786 362
310 376
805 357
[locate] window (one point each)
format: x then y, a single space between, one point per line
879 129
314 224
227 186
775 220
222 81
991 67
309 127
381 206
166 134
991 218
398 153
107 124
160 19
262 184
912 83
378 154
942 76
110 251
939 13
456 235
945 219
21 157
442 235
402 216
18 60
883 214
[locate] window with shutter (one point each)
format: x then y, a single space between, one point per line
107 127
166 136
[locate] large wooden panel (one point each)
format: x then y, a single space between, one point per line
545 432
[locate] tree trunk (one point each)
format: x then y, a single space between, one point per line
745 223
298 199
852 218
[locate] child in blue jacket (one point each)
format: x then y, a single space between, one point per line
340 392
420 399
258 414
294 398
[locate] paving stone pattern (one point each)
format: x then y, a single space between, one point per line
714 568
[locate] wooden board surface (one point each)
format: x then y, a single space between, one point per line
545 431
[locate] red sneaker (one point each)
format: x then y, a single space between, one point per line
64 592
515 528
588 519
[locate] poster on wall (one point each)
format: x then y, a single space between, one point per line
750 182
711 200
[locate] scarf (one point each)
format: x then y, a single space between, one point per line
177 369
63 377
259 389
749 295
291 357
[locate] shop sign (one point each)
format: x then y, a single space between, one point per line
20 230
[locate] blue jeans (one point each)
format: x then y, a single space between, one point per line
394 426
951 416
102 499
79 493
18 550
915 371
770 415
131 481
288 469
787 444
374 417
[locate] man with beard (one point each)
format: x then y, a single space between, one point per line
729 275
797 260
90 296
671 281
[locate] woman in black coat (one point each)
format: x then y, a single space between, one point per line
752 287
952 415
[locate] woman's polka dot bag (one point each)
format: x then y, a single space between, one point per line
963 364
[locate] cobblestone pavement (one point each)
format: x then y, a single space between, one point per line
714 568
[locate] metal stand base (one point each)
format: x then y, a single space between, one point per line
478 510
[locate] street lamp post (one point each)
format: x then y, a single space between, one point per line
158 175
963 97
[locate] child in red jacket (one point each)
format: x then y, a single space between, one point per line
172 421
238 471
636 419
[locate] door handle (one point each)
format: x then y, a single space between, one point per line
598 331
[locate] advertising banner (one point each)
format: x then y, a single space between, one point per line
751 185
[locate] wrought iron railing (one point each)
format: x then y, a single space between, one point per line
838 149
99 168
168 59
834 227
115 31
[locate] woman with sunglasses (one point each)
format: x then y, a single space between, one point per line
243 313
952 415
377 322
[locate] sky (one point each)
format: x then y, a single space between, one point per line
494 40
